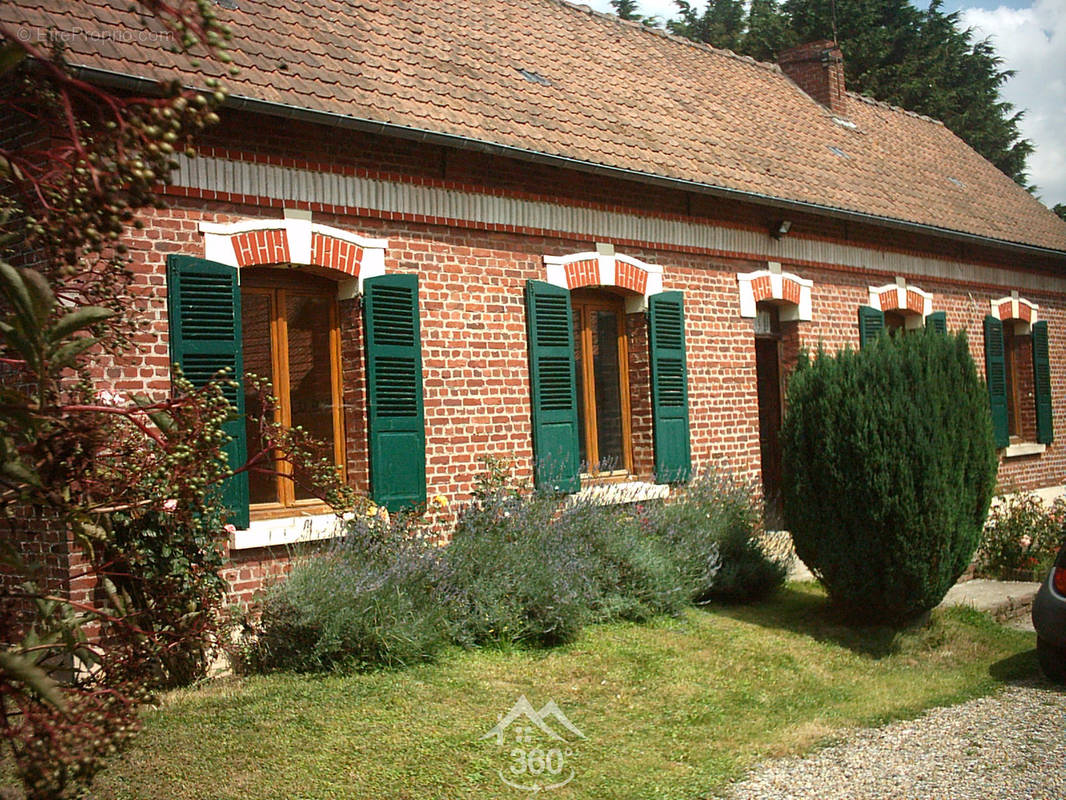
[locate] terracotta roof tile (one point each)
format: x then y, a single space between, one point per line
620 96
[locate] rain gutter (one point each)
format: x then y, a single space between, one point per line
147 86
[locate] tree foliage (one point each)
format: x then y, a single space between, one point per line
889 468
629 10
625 9
768 31
721 23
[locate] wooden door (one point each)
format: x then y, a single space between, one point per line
768 376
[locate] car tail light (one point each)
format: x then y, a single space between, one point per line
1058 580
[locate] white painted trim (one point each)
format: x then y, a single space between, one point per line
555 274
306 186
651 269
1015 311
789 312
373 263
287 530
299 230
902 287
592 255
611 494
1024 449
354 238
300 242
249 225
607 261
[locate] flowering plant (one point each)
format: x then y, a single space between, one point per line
1021 537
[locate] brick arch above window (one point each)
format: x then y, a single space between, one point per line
792 293
604 267
1016 309
295 239
901 296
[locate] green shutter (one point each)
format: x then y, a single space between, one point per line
996 376
550 326
871 323
1045 432
938 321
204 307
396 419
669 387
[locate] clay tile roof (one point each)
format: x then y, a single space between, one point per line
613 94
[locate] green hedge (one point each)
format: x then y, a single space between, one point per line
889 468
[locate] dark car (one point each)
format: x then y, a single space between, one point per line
1049 619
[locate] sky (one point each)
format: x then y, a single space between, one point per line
1030 37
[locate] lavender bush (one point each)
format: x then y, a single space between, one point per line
366 601
523 569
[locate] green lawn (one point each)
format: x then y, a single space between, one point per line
670 709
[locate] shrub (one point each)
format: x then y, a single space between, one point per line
514 576
748 573
367 601
889 468
1021 538
711 530
532 569
632 575
522 569
164 575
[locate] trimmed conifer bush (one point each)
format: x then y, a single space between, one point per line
889 467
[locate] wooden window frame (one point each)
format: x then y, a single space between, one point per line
278 285
583 304
1010 367
1011 342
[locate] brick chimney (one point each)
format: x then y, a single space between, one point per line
818 69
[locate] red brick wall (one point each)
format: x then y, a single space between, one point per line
251 571
476 389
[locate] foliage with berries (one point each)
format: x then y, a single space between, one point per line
129 485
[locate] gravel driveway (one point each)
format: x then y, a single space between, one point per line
1009 746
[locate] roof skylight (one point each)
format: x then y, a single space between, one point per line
958 183
533 77
837 151
847 123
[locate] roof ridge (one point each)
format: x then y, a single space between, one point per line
770 66
573 5
873 101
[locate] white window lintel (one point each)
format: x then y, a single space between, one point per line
299 232
607 274
789 311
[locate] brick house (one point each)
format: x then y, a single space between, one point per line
523 229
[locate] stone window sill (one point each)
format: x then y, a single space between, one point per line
286 530
1023 449
610 494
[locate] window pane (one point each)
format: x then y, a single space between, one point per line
579 367
310 369
255 339
896 322
606 370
